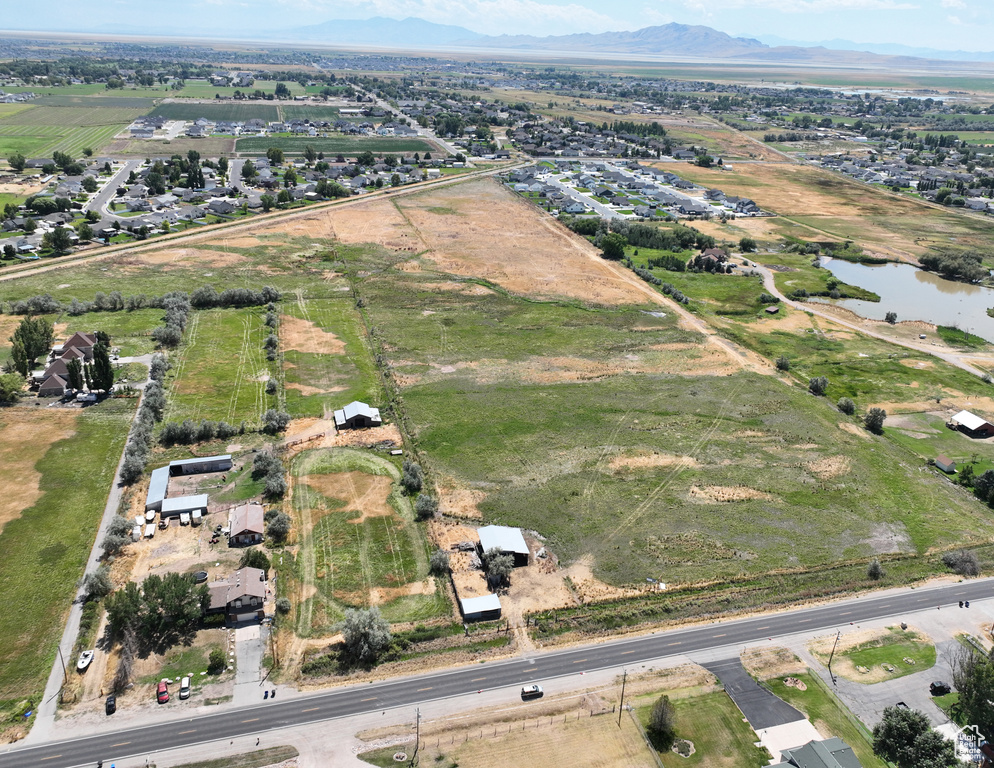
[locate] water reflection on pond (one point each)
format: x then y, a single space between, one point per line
916 295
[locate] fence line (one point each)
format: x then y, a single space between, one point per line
645 738
505 729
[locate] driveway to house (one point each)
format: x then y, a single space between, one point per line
761 708
250 646
99 201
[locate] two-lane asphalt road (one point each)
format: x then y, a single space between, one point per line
409 691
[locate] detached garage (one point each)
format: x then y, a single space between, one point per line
179 505
486 608
507 540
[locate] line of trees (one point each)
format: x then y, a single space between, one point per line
150 413
205 297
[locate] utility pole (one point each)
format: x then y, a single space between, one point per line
417 736
831 656
65 674
624 679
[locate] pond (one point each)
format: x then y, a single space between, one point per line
916 295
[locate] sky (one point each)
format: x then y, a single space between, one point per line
941 24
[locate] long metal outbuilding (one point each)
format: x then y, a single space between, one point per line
485 608
198 465
181 504
157 487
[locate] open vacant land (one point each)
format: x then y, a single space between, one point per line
229 111
833 207
66 463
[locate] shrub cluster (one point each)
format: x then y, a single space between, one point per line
189 432
177 306
674 293
205 297
266 466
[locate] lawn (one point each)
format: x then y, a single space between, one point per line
829 716
52 538
221 368
715 725
229 111
884 657
358 537
295 145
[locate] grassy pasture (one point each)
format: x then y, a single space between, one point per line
295 145
42 553
220 371
235 112
43 140
349 547
318 379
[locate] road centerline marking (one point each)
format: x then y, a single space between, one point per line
312 709
250 720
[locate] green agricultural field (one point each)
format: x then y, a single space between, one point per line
295 145
76 117
358 537
226 110
220 370
43 140
43 550
103 99
202 90
326 356
309 112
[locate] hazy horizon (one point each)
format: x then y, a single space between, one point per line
951 25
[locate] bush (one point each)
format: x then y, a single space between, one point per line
963 561
783 364
113 544
747 245
413 477
426 506
847 406
274 421
216 662
891 317
438 563
271 387
275 486
283 606
875 571
279 527
874 420
365 634
132 469
818 385
97 584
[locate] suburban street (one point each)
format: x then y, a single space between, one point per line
200 726
99 201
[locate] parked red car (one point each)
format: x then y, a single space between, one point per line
162 692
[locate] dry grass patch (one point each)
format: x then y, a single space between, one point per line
536 257
767 663
305 336
832 466
722 494
361 492
650 460
187 256
25 437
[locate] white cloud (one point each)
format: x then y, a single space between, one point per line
952 4
492 17
810 6
955 20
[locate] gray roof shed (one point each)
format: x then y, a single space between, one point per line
157 487
505 539
181 504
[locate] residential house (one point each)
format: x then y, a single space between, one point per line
241 596
246 525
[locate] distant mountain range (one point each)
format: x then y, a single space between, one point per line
668 39
885 49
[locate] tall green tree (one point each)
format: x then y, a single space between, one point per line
58 240
74 374
973 677
16 161
102 372
35 336
905 737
